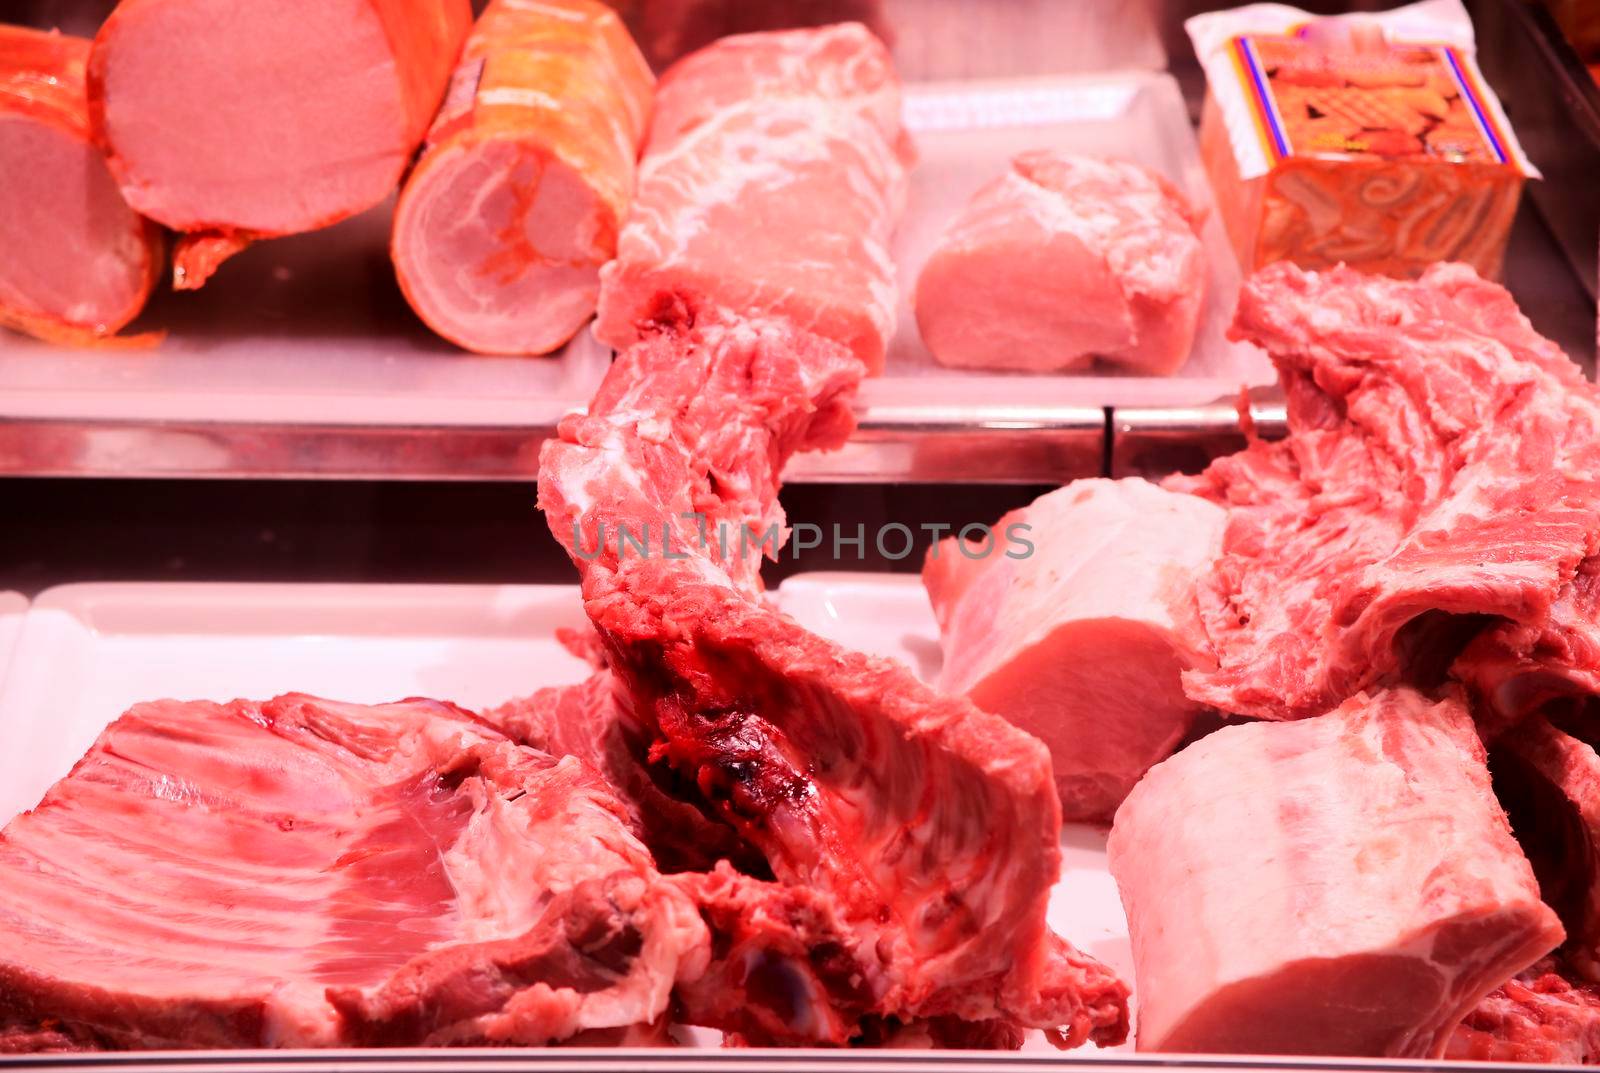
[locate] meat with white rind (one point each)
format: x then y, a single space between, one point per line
1061 260
391 875
1081 638
79 264
502 227
1343 885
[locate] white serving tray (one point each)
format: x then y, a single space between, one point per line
87 652
966 133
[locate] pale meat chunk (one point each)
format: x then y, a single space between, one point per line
1343 885
1082 641
771 181
1061 260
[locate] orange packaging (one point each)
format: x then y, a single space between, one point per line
1370 140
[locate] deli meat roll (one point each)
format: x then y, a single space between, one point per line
78 263
516 203
232 120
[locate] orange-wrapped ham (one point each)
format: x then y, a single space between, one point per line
500 232
232 120
1365 140
78 263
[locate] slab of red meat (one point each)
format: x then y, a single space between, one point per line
516 201
79 263
1549 782
772 177
927 829
668 815
1442 468
1539 1015
1341 885
305 873
235 119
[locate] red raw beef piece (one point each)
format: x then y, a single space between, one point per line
1441 471
301 873
922 831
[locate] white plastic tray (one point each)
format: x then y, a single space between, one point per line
966 133
88 652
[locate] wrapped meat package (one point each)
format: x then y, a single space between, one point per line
1370 140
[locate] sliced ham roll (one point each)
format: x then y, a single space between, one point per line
516 203
242 119
78 263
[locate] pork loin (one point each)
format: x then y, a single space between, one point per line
1343 885
300 873
1061 260
770 185
1080 636
500 232
240 119
78 263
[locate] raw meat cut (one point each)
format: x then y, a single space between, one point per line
1539 1015
927 829
1342 885
1441 471
79 264
398 874
235 119
1080 637
771 181
669 816
1549 782
500 231
1061 260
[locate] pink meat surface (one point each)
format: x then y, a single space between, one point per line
78 262
516 202
1082 642
772 177
1442 469
1061 260
1343 885
239 118
1540 1015
923 832
1549 782
305 873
